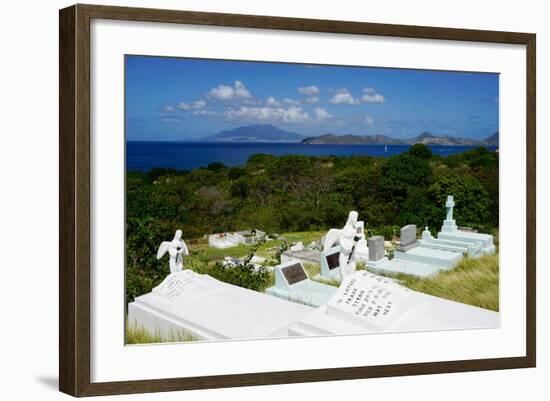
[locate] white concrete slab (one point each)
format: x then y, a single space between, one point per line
210 309
404 267
429 256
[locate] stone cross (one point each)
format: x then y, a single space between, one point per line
450 205
176 249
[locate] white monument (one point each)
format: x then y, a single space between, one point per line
347 239
176 249
449 224
450 232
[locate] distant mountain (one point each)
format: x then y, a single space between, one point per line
492 140
428 139
425 138
331 139
255 133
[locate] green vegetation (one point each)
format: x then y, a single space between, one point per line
141 336
474 281
301 196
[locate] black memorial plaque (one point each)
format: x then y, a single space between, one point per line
294 273
333 260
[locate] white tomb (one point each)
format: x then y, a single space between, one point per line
450 232
465 248
231 239
209 309
380 263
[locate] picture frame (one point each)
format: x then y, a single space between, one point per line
76 201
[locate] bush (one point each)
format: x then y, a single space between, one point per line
242 275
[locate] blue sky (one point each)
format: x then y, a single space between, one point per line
186 99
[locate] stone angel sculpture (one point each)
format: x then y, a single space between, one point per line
347 238
176 249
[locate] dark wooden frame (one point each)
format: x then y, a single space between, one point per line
74 199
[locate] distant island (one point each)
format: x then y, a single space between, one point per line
256 133
270 133
425 138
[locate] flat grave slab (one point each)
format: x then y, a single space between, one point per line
293 284
306 255
404 267
212 310
429 256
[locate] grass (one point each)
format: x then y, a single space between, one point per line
138 335
474 281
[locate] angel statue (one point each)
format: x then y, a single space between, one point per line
176 249
347 238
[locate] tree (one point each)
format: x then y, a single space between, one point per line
420 150
473 202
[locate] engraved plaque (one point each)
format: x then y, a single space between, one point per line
333 260
294 273
368 300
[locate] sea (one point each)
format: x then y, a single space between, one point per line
144 156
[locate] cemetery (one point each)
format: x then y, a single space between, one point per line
343 298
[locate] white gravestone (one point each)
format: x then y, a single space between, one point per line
330 264
376 251
407 239
176 249
292 283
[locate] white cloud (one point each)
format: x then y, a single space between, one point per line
170 120
369 91
371 96
308 90
271 101
312 100
274 114
291 101
168 108
195 105
369 120
321 114
344 97
204 113
241 91
224 92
